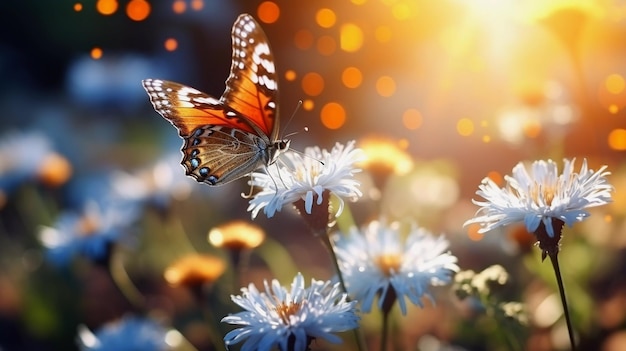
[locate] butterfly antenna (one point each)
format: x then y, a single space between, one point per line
307 156
291 118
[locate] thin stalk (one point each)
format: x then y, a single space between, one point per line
559 280
333 256
318 222
122 280
384 331
360 343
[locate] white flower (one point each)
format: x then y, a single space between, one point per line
89 233
129 333
541 195
281 317
377 259
304 176
156 185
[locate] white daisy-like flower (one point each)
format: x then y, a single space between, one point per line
89 233
380 261
306 177
541 195
290 319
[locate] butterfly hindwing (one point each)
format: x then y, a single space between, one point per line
218 155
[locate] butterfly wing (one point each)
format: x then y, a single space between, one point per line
252 87
188 109
218 155
228 138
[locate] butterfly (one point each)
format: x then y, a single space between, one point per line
227 138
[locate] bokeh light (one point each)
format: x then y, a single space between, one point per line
106 7
532 129
78 7
401 11
268 12
138 10
383 34
351 77
333 115
197 5
170 44
351 37
326 45
290 75
614 83
312 84
617 139
179 6
465 127
325 18
308 105
412 119
385 86
96 53
496 177
304 39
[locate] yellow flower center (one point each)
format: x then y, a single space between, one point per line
287 310
541 193
304 173
389 263
88 225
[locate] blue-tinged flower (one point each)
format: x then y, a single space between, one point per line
129 334
89 233
290 319
541 196
307 177
381 261
29 156
156 185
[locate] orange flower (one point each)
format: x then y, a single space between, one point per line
194 269
236 235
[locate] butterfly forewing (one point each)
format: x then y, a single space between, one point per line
252 87
187 108
228 138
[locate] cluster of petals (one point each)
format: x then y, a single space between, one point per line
380 257
279 316
306 176
541 194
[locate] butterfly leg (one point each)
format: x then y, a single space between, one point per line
249 194
279 177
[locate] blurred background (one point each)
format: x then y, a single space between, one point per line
440 94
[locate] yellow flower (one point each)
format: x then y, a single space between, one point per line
237 236
194 269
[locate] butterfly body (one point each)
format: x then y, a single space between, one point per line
230 137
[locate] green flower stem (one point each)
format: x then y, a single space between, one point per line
122 280
389 301
209 316
559 280
358 336
318 222
384 333
550 247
